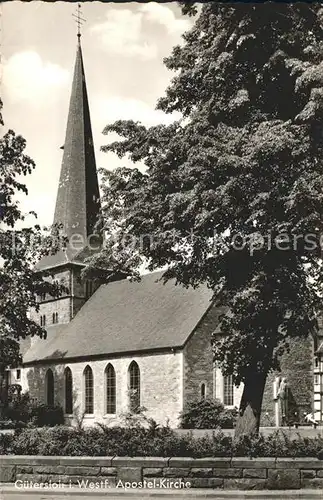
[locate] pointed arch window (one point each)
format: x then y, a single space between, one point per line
203 391
88 390
68 391
49 386
110 380
228 391
134 386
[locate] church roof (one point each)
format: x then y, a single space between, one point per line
126 316
78 198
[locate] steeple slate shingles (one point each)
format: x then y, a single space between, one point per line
77 203
78 198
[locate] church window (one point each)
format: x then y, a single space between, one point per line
134 386
88 389
110 377
55 317
203 391
43 320
88 288
49 385
68 391
18 374
228 391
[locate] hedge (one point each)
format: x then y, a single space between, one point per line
163 442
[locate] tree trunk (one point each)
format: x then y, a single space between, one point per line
250 405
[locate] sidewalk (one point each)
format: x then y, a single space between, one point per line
9 491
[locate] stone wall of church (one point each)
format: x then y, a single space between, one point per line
199 367
66 306
198 359
61 305
78 291
160 386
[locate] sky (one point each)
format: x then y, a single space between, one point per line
123 49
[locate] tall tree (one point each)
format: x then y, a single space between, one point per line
20 282
232 193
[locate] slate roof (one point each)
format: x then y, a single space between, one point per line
124 317
63 257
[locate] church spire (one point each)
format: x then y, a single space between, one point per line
77 203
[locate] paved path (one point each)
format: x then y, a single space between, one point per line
9 492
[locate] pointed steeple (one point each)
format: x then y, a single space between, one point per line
78 198
77 203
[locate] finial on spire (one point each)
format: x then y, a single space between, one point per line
79 20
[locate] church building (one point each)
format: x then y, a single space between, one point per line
114 347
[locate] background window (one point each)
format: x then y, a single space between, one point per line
88 288
88 388
49 385
110 375
18 374
134 386
68 391
228 391
203 391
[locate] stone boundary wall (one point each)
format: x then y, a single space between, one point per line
225 473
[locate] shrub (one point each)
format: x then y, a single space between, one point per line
22 409
19 406
207 414
162 441
42 414
6 442
228 418
12 424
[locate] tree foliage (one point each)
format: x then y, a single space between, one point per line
20 249
232 193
